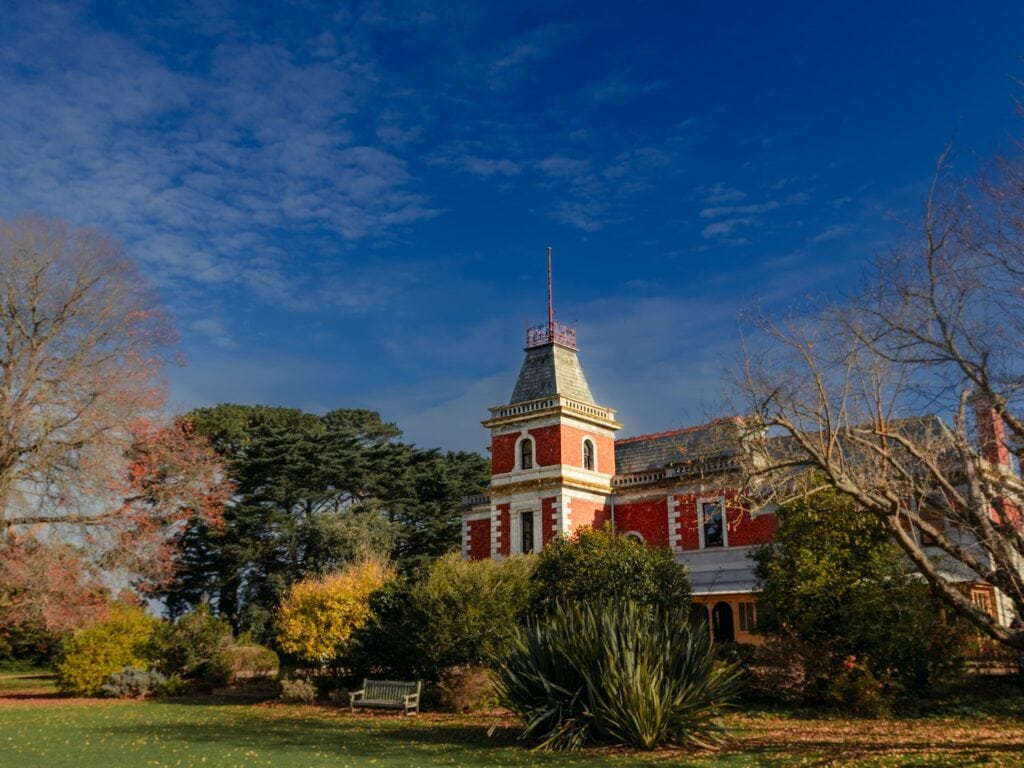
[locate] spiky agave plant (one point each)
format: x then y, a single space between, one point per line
616 672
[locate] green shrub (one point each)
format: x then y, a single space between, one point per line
458 613
466 689
597 565
91 655
133 683
833 577
241 663
789 670
174 686
187 645
299 690
617 672
857 691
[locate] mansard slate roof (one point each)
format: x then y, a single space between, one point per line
551 369
718 440
713 446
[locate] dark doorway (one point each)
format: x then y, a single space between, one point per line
721 623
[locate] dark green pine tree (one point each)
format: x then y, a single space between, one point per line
429 513
312 494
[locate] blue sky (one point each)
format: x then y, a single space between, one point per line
347 204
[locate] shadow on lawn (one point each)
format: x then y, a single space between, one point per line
283 727
906 754
361 736
31 694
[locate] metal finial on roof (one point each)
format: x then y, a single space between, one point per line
553 332
551 302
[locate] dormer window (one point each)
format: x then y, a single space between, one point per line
526 454
588 455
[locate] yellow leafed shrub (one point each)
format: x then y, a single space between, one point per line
317 616
91 655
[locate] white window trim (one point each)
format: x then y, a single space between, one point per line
700 520
519 452
516 531
635 535
583 444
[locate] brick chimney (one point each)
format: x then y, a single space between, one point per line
991 432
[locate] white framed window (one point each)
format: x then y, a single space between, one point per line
525 458
525 532
711 523
589 454
635 536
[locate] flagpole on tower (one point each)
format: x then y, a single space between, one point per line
551 305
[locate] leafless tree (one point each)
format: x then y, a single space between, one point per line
82 341
908 396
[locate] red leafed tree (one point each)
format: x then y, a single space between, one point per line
46 591
173 478
84 458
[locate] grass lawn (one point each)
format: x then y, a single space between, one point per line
41 730
40 680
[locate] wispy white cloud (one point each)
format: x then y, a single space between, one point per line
753 208
829 233
726 226
198 168
733 210
567 167
468 157
720 193
216 329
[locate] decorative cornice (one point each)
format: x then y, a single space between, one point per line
555 405
556 482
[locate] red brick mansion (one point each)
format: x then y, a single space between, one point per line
556 467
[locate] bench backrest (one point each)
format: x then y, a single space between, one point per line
388 690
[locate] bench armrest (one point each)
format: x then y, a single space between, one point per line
352 694
411 697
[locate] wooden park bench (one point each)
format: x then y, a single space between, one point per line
386 694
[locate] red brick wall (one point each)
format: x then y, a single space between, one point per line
686 530
571 452
505 527
555 444
605 454
547 516
587 514
547 445
742 531
479 539
649 518
503 453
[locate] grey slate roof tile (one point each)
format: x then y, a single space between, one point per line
719 439
551 369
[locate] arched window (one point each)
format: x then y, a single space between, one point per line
588 454
526 454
